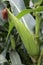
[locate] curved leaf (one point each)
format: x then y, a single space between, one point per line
26 11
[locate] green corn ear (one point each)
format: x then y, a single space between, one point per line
29 42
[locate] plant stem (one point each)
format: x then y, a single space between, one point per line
38 21
40 58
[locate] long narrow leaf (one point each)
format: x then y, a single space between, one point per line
26 11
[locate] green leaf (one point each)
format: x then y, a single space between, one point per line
26 11
28 39
12 42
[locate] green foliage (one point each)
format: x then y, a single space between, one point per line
27 38
26 11
18 45
12 42
38 22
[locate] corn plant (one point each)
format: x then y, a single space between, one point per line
23 44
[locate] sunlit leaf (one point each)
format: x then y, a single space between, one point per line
26 11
